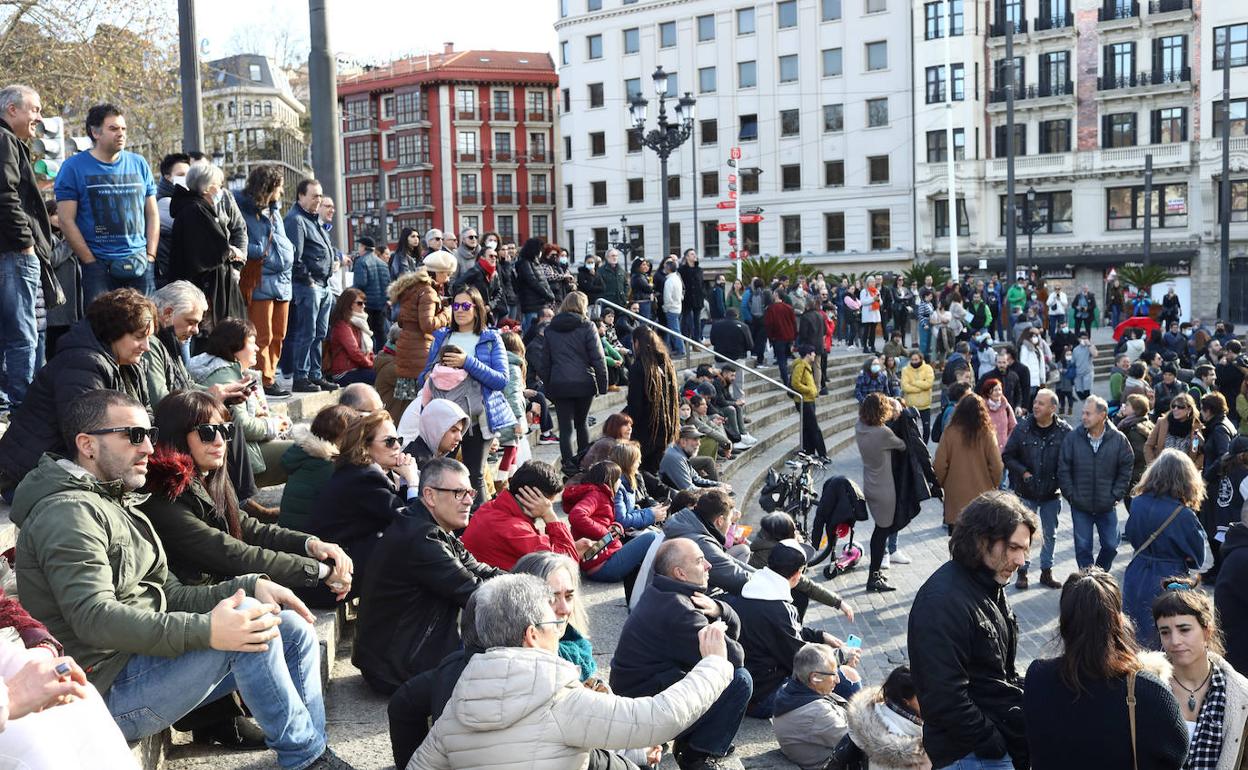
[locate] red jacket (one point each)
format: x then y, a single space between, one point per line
499 533
829 326
780 322
344 350
591 512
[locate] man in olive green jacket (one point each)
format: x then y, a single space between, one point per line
93 570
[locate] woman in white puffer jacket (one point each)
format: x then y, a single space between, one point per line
519 706
884 722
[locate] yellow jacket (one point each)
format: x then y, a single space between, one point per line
916 385
802 379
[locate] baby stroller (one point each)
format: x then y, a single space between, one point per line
841 506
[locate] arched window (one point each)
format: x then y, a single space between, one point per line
232 109
247 109
268 109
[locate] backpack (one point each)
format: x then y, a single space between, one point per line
757 303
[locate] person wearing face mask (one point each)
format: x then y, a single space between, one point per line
589 281
1035 354
201 243
173 168
871 379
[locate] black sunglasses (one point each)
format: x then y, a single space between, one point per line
208 432
391 441
135 433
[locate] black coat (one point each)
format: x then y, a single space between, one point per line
731 338
962 638
811 330
1031 451
770 636
490 289
82 364
356 507
695 288
659 642
590 282
574 366
410 602
915 478
1010 385
507 282
201 254
24 219
1095 482
840 502
532 289
1231 595
1092 731
640 288
420 701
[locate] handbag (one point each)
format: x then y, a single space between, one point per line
1144 547
128 268
1135 759
846 756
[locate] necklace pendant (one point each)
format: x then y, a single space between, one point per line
1191 703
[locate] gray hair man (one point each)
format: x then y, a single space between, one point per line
98 578
810 719
1094 474
25 243
433 239
361 397
544 711
1031 456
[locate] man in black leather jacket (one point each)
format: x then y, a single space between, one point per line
1031 456
963 637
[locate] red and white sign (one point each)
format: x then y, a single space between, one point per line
732 195
751 219
735 153
732 179
726 205
724 227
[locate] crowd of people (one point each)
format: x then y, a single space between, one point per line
150 326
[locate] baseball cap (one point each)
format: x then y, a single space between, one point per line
366 242
688 431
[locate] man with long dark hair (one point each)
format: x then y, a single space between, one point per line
962 639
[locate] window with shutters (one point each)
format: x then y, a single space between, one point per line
1170 59
1169 125
1118 130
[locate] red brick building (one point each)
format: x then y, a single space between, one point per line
466 139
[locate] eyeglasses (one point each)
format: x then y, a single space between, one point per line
135 433
391 441
358 303
436 239
458 494
461 306
563 622
470 237
208 432
825 673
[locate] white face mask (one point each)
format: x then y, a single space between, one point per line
178 181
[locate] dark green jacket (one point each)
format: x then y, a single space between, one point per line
197 540
309 464
91 569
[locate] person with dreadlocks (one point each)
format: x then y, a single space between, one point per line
653 402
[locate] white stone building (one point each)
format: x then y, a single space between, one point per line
814 92
1099 85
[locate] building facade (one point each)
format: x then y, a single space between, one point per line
815 93
251 117
1098 87
457 139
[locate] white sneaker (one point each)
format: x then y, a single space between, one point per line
740 445
899 557
748 440
886 563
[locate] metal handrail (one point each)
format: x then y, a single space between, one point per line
660 328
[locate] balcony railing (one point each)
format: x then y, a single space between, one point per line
1177 154
1118 10
411 117
538 156
503 156
1026 166
1067 21
1140 79
998 28
507 198
467 157
412 161
538 116
539 199
501 113
1042 91
462 114
1168 6
469 199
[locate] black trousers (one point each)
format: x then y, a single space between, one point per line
879 545
572 413
868 335
472 450
925 422
377 325
812 434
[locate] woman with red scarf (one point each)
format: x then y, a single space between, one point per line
483 276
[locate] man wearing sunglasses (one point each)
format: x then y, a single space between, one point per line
419 577
467 252
94 572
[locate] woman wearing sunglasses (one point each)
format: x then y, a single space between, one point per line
207 539
230 356
350 341
372 482
485 360
1179 428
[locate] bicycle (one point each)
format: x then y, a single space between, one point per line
793 492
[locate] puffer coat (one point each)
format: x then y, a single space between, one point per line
268 244
890 740
574 365
421 313
526 708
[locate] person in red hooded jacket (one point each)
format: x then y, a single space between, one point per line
591 512
505 528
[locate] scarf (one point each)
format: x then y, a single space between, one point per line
360 322
487 268
576 650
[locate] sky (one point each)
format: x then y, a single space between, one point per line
376 31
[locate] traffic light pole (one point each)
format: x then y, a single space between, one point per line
188 56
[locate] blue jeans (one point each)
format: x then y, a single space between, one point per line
19 334
96 281
715 731
286 364
623 561
1106 528
972 762
313 303
675 343
925 339
281 686
528 320
1047 512
782 349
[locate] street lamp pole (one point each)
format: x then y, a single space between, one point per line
1028 217
665 137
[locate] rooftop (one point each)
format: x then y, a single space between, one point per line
455 66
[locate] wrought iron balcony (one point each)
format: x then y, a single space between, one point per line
1168 6
1120 9
1066 21
1140 79
998 28
1042 91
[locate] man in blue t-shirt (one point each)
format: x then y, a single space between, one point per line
106 203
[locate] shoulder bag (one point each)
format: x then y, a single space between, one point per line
1135 759
1153 537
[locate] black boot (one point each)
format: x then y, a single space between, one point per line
879 584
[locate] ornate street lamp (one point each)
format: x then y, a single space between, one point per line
667 136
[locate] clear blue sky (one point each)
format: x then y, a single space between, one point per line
379 30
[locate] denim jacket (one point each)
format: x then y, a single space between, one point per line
266 240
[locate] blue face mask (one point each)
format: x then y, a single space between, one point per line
875 368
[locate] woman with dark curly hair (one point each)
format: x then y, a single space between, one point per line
653 401
968 459
266 278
